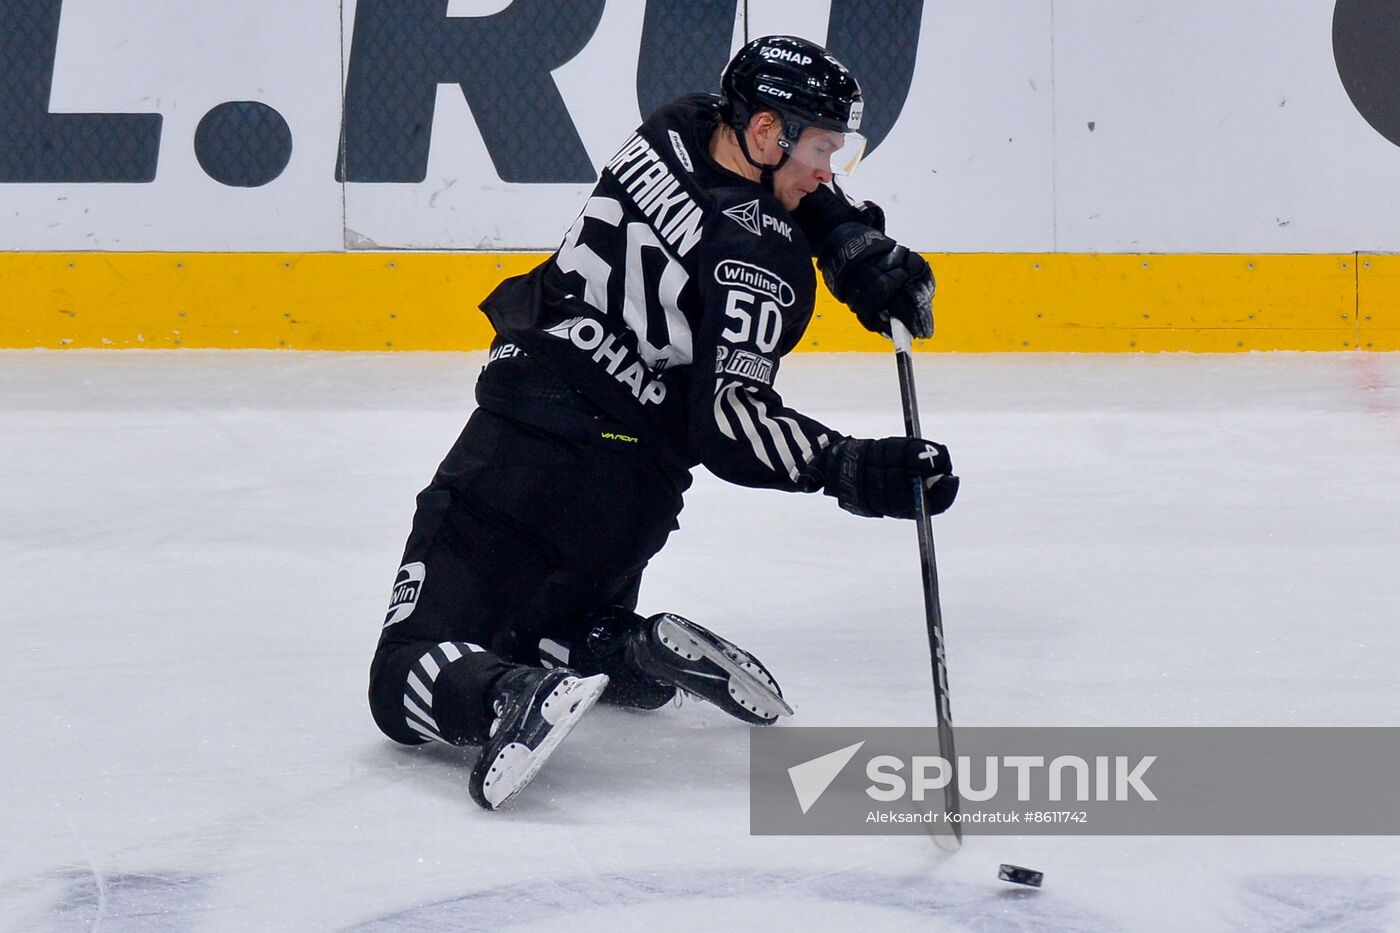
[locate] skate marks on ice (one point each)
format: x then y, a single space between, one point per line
726 899
1331 903
122 902
147 902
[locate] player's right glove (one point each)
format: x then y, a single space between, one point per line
878 279
875 478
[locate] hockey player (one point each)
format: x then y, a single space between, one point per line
645 345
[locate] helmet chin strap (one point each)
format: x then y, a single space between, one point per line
765 176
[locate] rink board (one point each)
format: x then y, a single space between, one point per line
987 302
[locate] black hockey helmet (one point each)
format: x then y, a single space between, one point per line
806 86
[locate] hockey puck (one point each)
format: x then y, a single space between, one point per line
1018 875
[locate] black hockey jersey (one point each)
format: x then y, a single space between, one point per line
668 307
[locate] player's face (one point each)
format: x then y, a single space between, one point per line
817 155
809 165
794 181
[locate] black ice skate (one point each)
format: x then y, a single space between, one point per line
674 650
535 710
602 649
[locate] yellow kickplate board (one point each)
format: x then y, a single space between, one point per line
305 301
1378 302
1129 303
1087 303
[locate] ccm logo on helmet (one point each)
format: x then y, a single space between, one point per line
775 91
787 55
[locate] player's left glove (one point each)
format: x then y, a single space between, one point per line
876 478
878 279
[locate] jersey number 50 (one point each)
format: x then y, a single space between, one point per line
650 301
739 307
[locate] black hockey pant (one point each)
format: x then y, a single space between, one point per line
520 534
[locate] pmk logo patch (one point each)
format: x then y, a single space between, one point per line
406 589
746 216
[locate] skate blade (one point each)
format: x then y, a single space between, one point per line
746 688
516 765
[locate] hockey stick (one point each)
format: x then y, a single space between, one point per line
933 612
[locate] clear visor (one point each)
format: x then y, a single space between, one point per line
827 150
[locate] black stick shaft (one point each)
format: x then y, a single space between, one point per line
933 610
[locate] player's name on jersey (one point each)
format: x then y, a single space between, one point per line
658 195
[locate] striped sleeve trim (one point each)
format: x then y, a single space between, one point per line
773 438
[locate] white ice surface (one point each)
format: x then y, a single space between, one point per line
196 551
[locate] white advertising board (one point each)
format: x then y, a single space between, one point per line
1022 125
180 60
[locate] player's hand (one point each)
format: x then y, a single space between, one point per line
876 478
871 214
879 279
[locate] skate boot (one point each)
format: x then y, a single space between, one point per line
676 651
535 709
600 647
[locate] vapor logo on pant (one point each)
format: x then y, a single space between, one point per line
406 589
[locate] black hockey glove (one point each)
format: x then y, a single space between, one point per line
871 214
827 207
878 279
875 478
